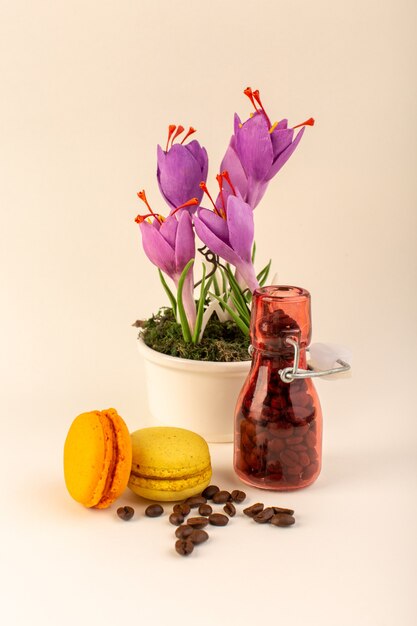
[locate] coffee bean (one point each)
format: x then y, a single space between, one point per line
264 516
230 509
154 510
210 491
205 509
176 519
221 497
218 519
183 531
282 519
182 509
253 510
289 457
198 536
238 496
310 439
184 547
279 509
195 501
197 522
125 513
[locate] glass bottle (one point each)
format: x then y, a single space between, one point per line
278 425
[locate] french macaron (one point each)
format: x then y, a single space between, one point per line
169 463
97 458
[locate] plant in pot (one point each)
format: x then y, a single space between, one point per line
196 349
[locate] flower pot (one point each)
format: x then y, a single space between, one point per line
198 395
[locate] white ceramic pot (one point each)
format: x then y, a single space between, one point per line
198 395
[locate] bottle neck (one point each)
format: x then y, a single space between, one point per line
278 359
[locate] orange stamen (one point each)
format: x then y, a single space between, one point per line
142 196
248 92
258 100
226 176
191 130
180 129
309 122
192 202
141 218
203 186
171 129
219 179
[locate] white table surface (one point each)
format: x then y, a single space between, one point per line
349 559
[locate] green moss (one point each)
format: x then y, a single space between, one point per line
222 341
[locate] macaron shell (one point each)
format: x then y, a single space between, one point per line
86 459
119 470
97 458
170 490
169 463
169 493
168 452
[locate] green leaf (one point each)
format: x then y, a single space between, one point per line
169 293
216 285
200 309
242 312
238 321
253 252
237 291
263 274
186 333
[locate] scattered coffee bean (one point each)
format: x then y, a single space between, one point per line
154 510
210 491
125 513
282 519
182 509
238 496
197 522
176 519
205 509
183 531
195 501
221 497
184 547
230 509
218 519
253 510
278 509
198 536
264 516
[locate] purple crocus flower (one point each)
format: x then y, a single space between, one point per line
257 151
169 244
181 168
231 236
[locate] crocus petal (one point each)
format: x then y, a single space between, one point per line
232 164
241 227
281 139
184 242
236 123
247 271
158 251
179 176
254 147
200 155
256 191
284 156
216 224
168 230
282 124
213 242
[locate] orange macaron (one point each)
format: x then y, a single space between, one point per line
97 458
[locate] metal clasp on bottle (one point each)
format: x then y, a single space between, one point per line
288 374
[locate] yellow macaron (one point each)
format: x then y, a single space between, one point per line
97 458
169 463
